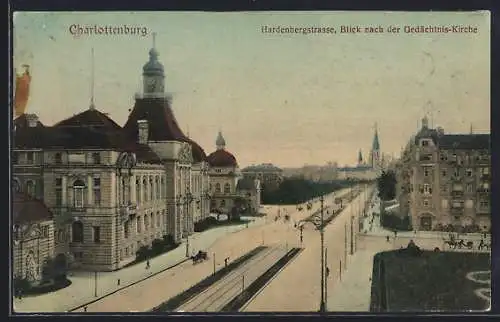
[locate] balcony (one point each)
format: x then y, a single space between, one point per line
485 177
483 191
455 178
457 193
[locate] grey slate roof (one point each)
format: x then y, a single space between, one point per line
464 141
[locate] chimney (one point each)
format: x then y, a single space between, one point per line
32 120
143 131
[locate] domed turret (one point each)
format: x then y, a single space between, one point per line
153 74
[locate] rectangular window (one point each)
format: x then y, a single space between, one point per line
45 231
469 204
456 172
485 170
126 229
484 204
427 171
444 203
425 203
30 157
443 173
457 204
469 187
97 191
79 197
443 157
427 189
58 196
97 234
425 143
468 172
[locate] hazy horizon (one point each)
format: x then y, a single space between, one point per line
286 99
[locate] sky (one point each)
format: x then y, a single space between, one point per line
287 99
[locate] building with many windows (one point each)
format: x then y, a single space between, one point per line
269 175
444 180
113 189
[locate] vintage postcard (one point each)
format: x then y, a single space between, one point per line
251 162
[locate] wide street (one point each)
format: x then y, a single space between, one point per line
224 242
300 280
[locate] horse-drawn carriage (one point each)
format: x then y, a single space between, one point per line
199 257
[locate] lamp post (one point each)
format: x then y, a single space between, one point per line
318 222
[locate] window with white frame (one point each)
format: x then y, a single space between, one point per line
469 204
444 203
484 204
468 172
427 171
485 170
97 191
469 187
425 203
427 189
79 193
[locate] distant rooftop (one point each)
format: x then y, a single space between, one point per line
264 167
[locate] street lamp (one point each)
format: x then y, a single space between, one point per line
318 222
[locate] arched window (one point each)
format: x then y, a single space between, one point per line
227 188
158 188
30 188
151 189
138 189
77 232
138 224
15 185
58 158
162 187
217 187
78 193
152 220
146 222
144 190
124 192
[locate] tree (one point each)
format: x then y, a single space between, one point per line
387 185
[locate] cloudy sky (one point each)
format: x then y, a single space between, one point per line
289 99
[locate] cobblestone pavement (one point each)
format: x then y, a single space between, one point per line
231 241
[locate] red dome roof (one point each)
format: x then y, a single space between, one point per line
221 158
26 209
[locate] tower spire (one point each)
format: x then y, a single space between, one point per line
92 81
154 40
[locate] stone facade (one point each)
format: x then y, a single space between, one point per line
444 180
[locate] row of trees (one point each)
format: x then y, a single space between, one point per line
386 185
298 190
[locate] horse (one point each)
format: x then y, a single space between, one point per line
199 257
451 243
468 245
482 245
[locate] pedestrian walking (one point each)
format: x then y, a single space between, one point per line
387 238
84 309
118 282
147 264
327 271
225 261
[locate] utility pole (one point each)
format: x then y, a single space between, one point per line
345 245
95 283
214 264
322 305
326 280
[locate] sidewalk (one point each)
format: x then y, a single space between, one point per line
82 289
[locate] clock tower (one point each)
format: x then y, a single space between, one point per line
153 75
